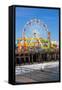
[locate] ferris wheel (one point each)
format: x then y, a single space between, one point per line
35 28
35 24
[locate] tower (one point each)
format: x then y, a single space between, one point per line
49 43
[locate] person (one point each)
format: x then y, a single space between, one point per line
42 68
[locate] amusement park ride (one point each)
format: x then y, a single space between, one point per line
36 43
